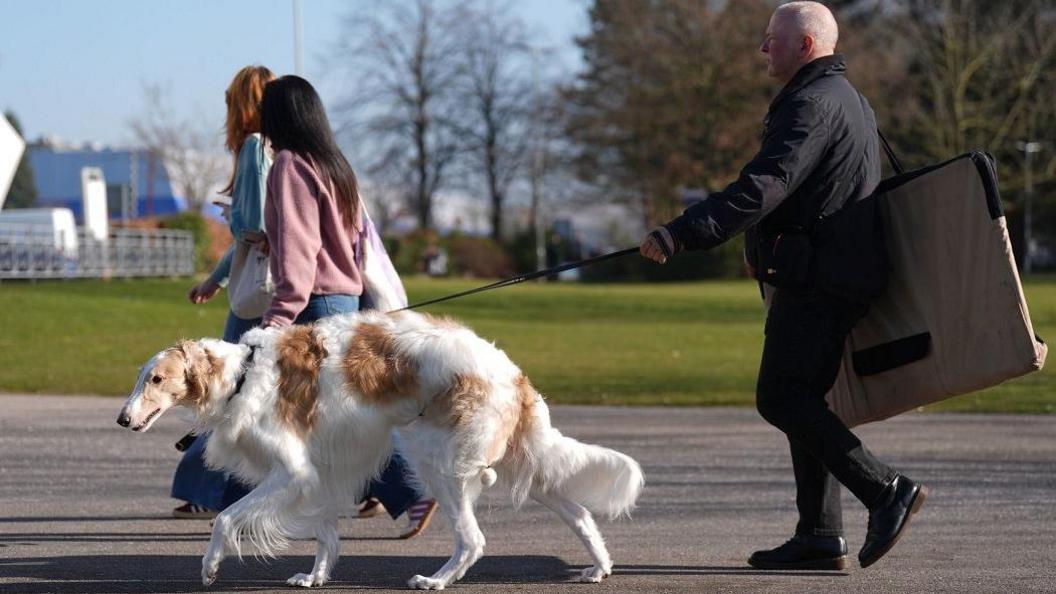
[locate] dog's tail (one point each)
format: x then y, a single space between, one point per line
604 481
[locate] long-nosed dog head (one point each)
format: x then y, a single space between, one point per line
178 376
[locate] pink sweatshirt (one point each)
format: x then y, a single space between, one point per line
312 247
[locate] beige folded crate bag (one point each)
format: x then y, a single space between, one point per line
953 318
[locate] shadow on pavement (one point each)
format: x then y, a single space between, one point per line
37 537
94 574
715 570
81 519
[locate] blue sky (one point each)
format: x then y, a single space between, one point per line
76 68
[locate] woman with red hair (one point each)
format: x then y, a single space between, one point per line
206 491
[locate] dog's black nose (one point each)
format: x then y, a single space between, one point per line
124 420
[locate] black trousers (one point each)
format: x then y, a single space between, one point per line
805 335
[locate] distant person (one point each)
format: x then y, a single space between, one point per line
820 152
313 219
204 491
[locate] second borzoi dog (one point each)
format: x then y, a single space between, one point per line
305 412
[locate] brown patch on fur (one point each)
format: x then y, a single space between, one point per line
526 397
459 402
200 367
375 369
516 422
300 357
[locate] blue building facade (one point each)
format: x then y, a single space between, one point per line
58 178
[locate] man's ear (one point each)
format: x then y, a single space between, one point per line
807 46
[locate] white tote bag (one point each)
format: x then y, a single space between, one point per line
382 288
250 287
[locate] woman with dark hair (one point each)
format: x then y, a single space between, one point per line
313 218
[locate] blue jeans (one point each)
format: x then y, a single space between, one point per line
324 306
392 488
193 482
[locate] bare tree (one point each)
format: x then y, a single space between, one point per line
495 97
975 75
189 149
671 96
397 110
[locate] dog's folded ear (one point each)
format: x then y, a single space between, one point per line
191 350
198 370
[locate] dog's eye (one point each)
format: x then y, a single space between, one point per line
156 379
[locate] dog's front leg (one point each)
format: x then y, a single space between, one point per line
222 539
327 548
216 551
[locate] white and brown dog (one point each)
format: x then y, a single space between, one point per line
305 413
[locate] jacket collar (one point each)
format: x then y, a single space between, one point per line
825 66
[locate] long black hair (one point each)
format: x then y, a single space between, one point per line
292 118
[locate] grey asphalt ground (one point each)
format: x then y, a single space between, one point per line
84 508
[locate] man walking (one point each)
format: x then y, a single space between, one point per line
819 158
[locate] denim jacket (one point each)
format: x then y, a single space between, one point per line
247 198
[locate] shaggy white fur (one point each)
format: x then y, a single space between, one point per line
458 444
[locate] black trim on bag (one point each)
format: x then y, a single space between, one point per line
887 356
984 163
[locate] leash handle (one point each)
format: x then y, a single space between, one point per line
526 277
185 442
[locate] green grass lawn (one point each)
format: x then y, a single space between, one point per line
680 344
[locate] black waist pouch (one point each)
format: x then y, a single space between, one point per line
785 258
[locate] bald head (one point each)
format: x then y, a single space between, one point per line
812 19
799 33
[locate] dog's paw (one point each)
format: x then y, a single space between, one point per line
594 574
306 580
208 576
419 582
211 565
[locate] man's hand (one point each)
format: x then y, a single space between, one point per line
203 291
658 245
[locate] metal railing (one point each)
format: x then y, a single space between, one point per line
41 252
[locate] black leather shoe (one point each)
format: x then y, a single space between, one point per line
804 552
889 518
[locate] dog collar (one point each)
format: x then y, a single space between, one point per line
246 364
186 441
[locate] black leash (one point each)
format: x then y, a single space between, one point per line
527 277
186 441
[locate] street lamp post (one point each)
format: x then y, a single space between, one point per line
536 169
1028 148
537 165
298 53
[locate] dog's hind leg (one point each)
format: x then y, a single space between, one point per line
580 520
327 545
456 497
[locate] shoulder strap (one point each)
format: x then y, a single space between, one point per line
891 156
